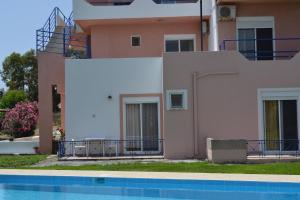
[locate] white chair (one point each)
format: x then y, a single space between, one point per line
79 147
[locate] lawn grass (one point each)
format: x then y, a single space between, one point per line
14 161
26 162
197 167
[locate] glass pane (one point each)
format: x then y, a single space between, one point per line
176 100
246 40
264 43
172 46
135 41
290 125
133 127
150 127
272 136
186 45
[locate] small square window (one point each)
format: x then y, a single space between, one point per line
177 99
135 41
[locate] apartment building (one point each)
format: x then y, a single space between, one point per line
156 78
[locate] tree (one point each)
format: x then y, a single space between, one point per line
13 73
11 98
31 74
20 72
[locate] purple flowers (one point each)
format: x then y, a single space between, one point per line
21 120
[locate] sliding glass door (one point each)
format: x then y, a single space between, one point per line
142 127
256 43
281 125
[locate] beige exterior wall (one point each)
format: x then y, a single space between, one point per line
114 41
227 105
51 71
285 14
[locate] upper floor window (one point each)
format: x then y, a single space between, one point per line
179 43
135 40
255 37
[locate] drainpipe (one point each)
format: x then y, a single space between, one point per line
196 77
201 24
195 113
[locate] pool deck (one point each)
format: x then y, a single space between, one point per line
157 175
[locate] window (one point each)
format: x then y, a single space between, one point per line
142 127
255 37
177 99
256 43
279 119
281 124
179 43
135 41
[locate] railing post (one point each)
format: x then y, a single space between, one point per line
64 42
43 40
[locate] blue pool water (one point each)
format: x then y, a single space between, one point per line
78 188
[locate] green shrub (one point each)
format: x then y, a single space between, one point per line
11 98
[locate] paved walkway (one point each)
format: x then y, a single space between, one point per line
157 175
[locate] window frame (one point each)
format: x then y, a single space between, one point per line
182 92
136 36
256 23
277 94
177 37
142 100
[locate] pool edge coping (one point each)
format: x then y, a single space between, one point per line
157 175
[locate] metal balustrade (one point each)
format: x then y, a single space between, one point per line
282 48
58 36
275 148
110 148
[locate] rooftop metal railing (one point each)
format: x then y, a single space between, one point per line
281 48
110 148
58 36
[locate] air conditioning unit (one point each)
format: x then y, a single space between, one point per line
227 12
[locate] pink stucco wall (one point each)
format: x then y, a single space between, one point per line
227 103
284 13
114 41
51 71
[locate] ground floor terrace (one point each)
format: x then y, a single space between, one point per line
169 106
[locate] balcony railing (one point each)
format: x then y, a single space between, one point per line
110 148
264 49
275 148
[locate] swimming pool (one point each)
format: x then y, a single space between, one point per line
82 188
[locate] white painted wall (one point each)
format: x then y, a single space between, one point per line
18 147
89 113
138 9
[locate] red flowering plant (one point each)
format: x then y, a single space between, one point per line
21 120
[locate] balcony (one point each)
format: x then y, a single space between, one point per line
264 49
107 10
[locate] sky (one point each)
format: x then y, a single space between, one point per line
19 19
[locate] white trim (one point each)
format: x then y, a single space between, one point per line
255 23
183 92
178 37
276 94
142 100
132 36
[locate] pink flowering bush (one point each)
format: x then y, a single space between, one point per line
21 120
